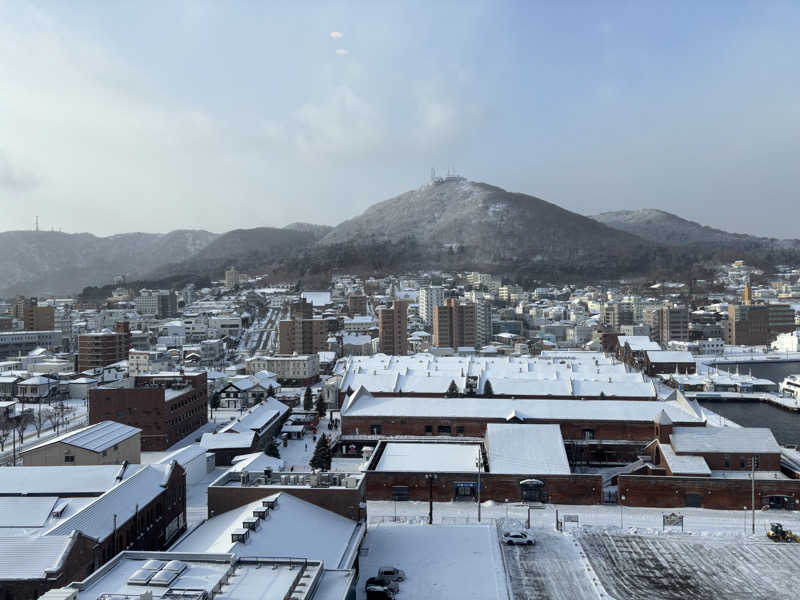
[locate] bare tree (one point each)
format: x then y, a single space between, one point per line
21 424
41 417
53 417
6 427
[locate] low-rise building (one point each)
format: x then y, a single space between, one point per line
105 443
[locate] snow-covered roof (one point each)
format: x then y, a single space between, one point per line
669 356
97 519
95 438
258 417
745 440
183 456
294 528
257 461
64 480
638 343
521 448
317 298
25 558
221 441
429 456
684 464
362 403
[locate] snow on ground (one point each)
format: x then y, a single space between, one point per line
552 569
632 567
700 522
440 561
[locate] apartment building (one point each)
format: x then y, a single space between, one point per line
393 329
103 348
34 317
668 323
160 303
429 298
303 336
454 325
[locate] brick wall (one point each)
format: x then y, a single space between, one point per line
560 489
570 430
342 501
723 494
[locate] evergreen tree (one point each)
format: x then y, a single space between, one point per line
270 391
320 407
487 388
452 391
322 455
272 449
308 402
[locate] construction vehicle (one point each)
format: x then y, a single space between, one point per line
778 534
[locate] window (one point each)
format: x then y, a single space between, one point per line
69 459
428 429
756 461
727 460
588 434
444 429
460 430
375 429
400 493
741 462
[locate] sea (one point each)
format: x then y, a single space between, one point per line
785 425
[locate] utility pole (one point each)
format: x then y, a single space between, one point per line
753 491
479 465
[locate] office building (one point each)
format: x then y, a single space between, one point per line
159 303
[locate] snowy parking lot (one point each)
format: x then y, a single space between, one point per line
679 567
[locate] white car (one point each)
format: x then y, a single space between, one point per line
522 538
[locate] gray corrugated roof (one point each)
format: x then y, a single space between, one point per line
97 519
24 558
96 438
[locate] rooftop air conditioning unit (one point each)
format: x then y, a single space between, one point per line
260 513
240 535
250 523
270 503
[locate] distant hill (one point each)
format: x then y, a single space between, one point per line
666 228
247 249
466 223
319 231
51 262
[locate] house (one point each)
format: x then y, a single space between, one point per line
104 443
668 361
39 388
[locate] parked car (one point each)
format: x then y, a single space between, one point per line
522 538
383 582
392 573
379 592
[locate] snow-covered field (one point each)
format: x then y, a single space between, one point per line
678 567
441 561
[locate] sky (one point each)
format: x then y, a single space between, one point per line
153 116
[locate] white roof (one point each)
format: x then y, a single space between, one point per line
429 456
317 298
183 456
24 558
95 438
697 440
294 528
220 441
97 519
362 403
684 464
522 448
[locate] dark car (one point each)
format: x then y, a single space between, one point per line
383 582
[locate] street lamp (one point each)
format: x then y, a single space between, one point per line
430 477
621 505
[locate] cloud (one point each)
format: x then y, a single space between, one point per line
337 35
342 51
